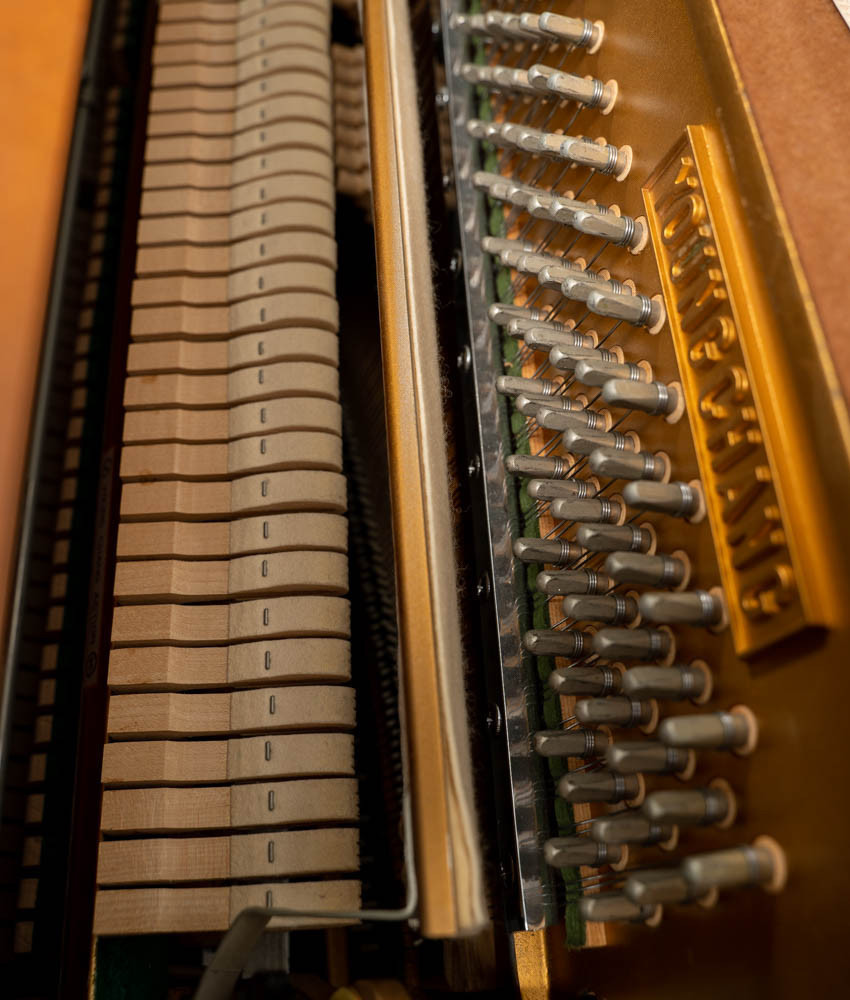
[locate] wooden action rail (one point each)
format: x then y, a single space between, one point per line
229 703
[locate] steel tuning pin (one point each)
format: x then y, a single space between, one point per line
473 24
735 730
556 642
578 31
577 287
599 155
639 310
632 828
714 805
612 464
620 230
617 710
537 466
486 132
686 607
515 385
584 440
597 371
555 277
761 864
655 398
653 886
554 551
650 570
600 786
599 510
614 906
501 313
649 757
495 245
562 403
676 499
565 358
575 852
561 419
572 581
610 609
593 681
558 489
583 743
678 682
646 644
616 538
586 90
545 337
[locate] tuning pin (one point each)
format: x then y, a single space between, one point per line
735 730
538 466
612 609
547 336
578 31
762 864
577 287
631 828
599 156
614 538
556 275
554 551
639 310
597 371
533 263
647 644
620 230
714 805
617 710
584 440
674 683
612 464
582 743
501 313
685 607
648 397
497 244
654 886
585 90
560 420
598 510
593 681
600 786
565 358
512 79
653 571
606 906
676 499
572 581
494 184
486 132
649 757
562 403
556 642
576 852
515 385
558 489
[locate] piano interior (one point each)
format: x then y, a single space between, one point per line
431 552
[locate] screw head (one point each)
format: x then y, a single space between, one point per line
456 263
493 721
483 587
474 467
464 359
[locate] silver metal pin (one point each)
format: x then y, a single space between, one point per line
650 757
584 440
574 581
554 642
565 358
677 682
597 371
535 466
630 828
599 786
684 607
736 730
553 551
691 806
586 90
576 681
597 510
575 852
616 710
676 499
583 743
557 489
648 644
639 310
612 464
762 863
514 385
648 397
653 571
615 538
612 609
608 906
